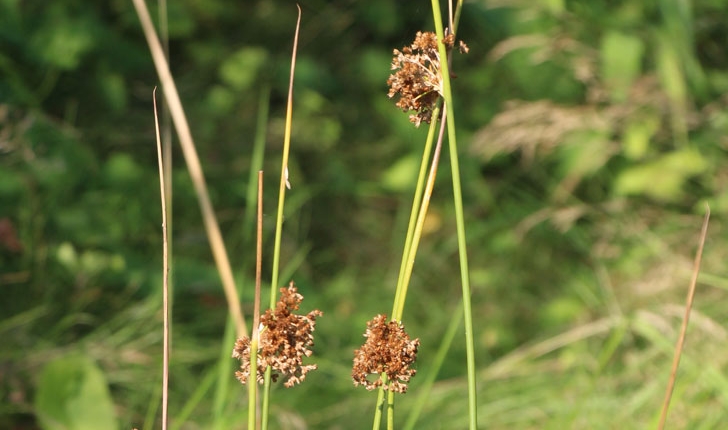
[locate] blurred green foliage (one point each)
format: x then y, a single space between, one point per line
596 134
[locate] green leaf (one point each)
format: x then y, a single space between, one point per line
637 136
670 70
114 90
220 100
63 40
73 395
663 178
584 152
621 57
240 69
401 175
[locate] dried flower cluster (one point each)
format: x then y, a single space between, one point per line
388 350
417 79
285 338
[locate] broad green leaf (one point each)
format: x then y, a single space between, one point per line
73 395
670 70
663 178
584 152
637 135
621 56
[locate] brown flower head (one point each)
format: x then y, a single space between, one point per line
388 350
285 338
417 79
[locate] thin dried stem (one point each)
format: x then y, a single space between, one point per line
193 165
684 328
165 271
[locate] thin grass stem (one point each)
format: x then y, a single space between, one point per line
414 211
426 387
256 162
253 376
459 217
284 170
166 134
204 385
421 216
165 271
379 405
686 318
249 225
284 183
390 410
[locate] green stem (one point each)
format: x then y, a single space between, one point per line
256 164
390 410
459 217
399 294
279 216
417 235
434 370
253 381
380 405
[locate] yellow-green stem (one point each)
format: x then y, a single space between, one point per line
415 210
459 216
279 216
380 404
417 234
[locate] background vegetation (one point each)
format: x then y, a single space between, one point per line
593 134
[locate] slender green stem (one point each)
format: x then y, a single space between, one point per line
459 218
414 211
380 405
390 410
431 376
253 381
284 171
422 197
279 217
256 164
417 234
253 374
223 382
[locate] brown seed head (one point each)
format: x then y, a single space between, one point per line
387 350
285 338
417 80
